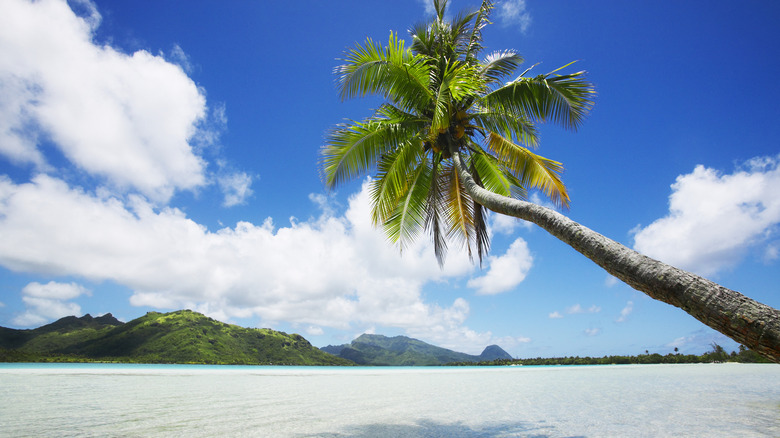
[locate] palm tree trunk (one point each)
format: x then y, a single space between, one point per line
744 320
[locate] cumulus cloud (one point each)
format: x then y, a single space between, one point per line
626 311
330 271
127 118
514 13
45 302
504 272
555 315
715 218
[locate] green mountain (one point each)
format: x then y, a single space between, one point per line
177 337
403 351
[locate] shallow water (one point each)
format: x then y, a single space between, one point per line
69 400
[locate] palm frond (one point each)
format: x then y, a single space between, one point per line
440 6
495 177
433 213
459 209
507 123
461 32
459 81
410 213
481 236
565 99
532 170
422 39
354 148
475 39
497 65
393 72
391 182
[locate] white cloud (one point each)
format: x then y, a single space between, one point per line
592 331
428 5
129 119
46 302
577 309
330 271
314 331
236 188
508 12
55 291
503 224
772 252
626 311
714 218
506 271
514 13
179 57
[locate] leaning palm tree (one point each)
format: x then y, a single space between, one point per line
456 135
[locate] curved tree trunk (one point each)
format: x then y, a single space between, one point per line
744 320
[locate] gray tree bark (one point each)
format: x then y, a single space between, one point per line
750 323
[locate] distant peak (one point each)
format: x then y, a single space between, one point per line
493 352
108 319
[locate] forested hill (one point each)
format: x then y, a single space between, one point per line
177 337
404 351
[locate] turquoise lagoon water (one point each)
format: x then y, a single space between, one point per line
112 400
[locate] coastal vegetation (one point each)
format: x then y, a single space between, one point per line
454 137
177 337
717 355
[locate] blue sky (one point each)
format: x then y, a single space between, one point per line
156 156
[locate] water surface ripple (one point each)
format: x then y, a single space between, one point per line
86 400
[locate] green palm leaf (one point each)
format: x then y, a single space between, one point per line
433 222
393 72
391 182
495 176
354 148
507 124
565 100
481 236
459 208
532 170
498 65
409 217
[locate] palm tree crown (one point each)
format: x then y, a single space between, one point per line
441 98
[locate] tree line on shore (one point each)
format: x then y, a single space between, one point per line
716 355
